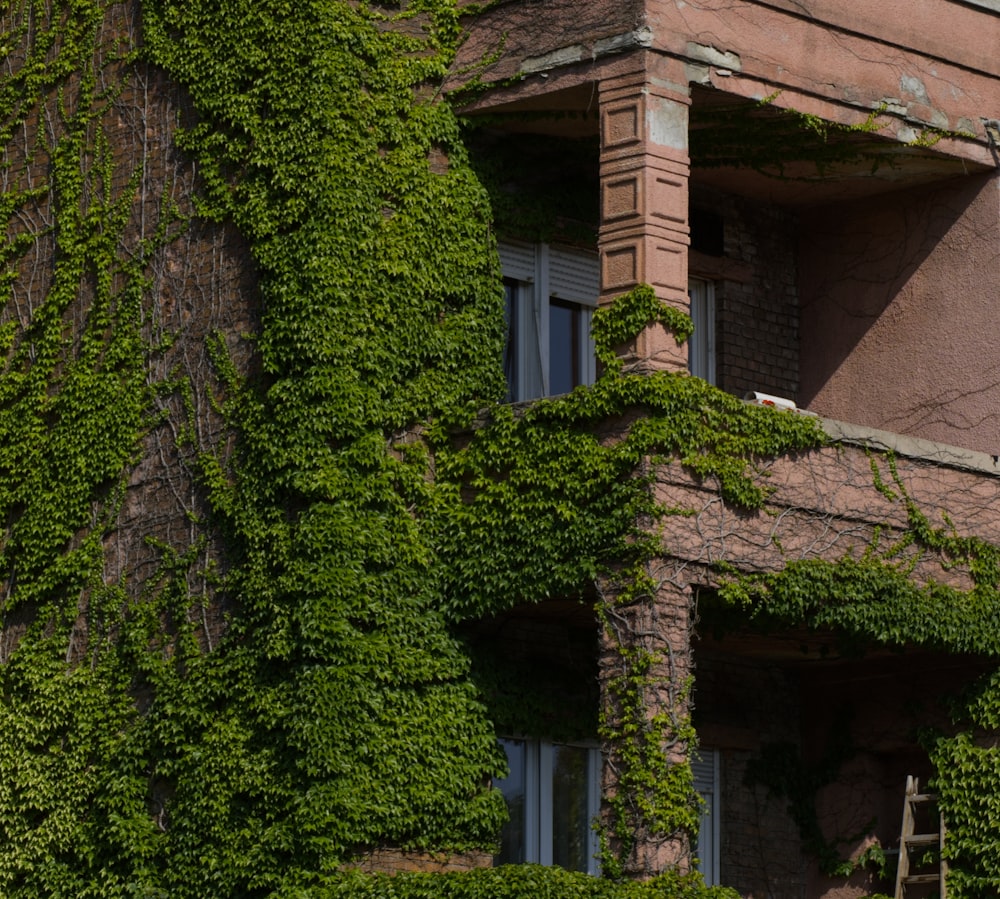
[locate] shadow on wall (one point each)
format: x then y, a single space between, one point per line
898 324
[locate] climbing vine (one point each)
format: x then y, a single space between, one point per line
769 139
271 683
780 768
874 600
550 506
77 397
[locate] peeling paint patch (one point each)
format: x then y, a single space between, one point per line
683 89
935 118
892 105
641 37
565 56
927 115
992 128
992 5
562 57
697 73
910 84
667 123
714 57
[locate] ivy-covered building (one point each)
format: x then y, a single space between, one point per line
460 438
816 186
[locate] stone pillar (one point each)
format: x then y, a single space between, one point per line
645 167
645 677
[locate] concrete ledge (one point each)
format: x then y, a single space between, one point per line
912 447
991 5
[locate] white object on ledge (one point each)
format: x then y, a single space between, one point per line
765 399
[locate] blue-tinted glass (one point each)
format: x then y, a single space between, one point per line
564 347
512 837
510 345
570 817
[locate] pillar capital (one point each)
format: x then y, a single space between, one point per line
640 113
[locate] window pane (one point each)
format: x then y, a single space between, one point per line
701 346
564 346
704 765
510 358
512 837
570 815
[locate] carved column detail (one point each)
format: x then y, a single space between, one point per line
645 167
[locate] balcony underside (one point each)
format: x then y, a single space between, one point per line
758 151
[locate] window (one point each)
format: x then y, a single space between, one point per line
705 766
553 795
701 346
708 231
550 294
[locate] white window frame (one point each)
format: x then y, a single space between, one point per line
705 767
541 273
538 818
701 345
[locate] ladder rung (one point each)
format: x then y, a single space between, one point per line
911 843
922 839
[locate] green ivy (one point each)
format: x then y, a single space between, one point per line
781 769
873 601
369 508
514 882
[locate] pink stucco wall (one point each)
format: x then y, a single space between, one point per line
834 58
839 51
795 686
531 35
896 288
824 504
899 324
892 297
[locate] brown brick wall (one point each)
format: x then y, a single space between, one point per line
399 861
201 281
738 707
757 306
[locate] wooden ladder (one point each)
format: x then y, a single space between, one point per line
911 842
